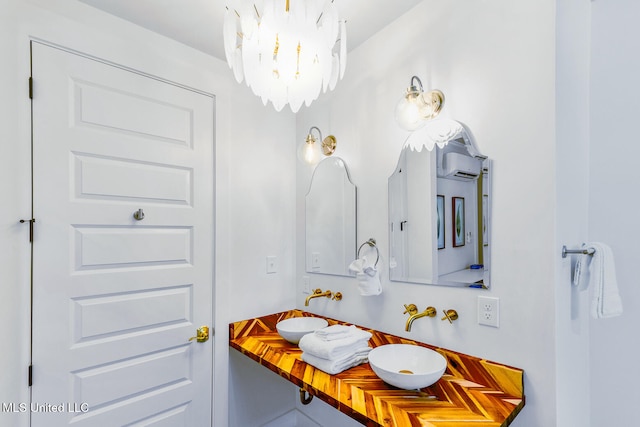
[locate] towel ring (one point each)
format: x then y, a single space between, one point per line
372 243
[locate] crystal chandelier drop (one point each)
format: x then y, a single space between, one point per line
286 52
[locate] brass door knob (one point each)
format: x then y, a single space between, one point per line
450 315
202 334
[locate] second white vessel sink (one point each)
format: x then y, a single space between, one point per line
407 366
294 328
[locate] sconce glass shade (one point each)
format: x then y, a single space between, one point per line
309 150
416 106
312 149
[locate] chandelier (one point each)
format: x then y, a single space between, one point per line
286 52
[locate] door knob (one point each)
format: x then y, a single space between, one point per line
202 334
139 214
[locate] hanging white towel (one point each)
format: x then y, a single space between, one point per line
606 301
369 285
367 276
581 272
358 265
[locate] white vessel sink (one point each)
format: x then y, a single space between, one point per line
407 366
294 328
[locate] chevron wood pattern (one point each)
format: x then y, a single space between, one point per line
472 392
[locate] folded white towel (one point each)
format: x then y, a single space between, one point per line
606 301
336 332
336 366
369 285
336 349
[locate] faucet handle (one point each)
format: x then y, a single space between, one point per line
450 315
316 291
411 309
337 296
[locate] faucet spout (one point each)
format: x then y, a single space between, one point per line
317 293
429 312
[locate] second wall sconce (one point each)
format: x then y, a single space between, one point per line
416 106
311 150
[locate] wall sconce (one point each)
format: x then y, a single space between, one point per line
309 151
416 106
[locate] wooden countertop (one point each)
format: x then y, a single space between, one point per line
472 391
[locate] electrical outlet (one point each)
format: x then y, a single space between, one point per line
489 311
306 285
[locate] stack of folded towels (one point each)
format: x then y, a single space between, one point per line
335 348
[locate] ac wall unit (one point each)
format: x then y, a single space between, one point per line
460 167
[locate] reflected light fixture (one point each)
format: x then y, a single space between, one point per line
286 52
438 132
416 106
311 149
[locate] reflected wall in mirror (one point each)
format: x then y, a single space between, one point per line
439 211
330 219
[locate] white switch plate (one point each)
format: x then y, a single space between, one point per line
315 260
489 311
272 264
306 285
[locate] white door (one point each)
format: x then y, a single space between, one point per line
115 298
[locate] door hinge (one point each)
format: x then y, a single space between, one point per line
31 222
30 375
30 87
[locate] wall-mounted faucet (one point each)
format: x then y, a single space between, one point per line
317 293
412 310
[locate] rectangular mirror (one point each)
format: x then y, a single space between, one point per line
439 215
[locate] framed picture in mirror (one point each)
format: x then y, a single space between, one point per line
440 222
458 221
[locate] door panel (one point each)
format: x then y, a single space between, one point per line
116 299
131 181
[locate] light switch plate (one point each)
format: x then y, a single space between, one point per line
315 260
272 264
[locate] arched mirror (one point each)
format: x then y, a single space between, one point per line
330 219
439 209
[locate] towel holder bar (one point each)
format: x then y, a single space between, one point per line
581 251
372 243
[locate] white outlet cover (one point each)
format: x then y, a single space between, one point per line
489 311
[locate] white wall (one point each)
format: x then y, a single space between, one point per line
613 203
255 182
572 151
495 62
